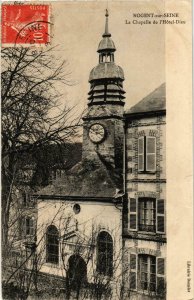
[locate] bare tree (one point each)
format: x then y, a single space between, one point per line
77 245
31 113
23 262
97 285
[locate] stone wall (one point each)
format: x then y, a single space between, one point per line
144 185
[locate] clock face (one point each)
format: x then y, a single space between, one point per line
96 133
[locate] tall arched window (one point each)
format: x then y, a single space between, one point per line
52 245
105 254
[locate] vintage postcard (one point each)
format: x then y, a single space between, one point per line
97 171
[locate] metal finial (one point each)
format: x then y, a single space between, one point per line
106 33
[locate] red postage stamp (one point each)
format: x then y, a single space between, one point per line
25 24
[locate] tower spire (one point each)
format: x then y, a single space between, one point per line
106 33
106 78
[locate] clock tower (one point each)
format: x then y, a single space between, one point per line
103 128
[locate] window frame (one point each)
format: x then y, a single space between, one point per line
159 215
149 153
105 255
149 261
53 245
146 212
159 274
29 228
143 155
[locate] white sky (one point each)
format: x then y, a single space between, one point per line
78 28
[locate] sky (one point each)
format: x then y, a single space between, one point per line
77 30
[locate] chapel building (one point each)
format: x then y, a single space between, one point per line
107 214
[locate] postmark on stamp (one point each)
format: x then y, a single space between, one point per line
25 24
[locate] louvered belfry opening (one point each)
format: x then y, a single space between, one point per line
107 90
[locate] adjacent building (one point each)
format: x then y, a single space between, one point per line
144 229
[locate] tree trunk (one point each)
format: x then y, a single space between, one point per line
6 198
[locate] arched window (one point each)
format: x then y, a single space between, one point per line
52 245
105 254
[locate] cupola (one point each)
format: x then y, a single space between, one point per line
106 46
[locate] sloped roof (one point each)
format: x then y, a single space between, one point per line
155 101
85 181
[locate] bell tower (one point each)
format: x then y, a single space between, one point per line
103 133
